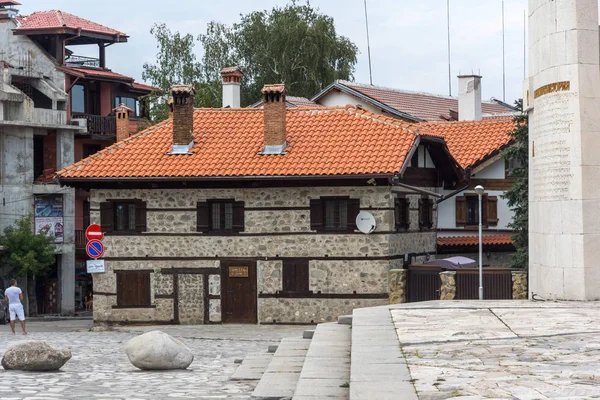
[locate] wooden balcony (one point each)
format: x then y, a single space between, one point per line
99 124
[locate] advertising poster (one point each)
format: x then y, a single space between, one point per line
48 216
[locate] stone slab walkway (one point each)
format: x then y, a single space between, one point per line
100 369
502 350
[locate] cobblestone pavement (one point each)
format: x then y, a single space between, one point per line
100 369
502 350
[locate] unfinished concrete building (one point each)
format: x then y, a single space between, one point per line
56 108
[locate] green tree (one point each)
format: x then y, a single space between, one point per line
295 45
29 255
175 63
518 196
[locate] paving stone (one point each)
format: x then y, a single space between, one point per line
100 369
252 367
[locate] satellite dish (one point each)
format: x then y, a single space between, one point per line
365 222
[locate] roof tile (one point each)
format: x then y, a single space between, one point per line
496 240
61 19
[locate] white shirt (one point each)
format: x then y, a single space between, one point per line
13 293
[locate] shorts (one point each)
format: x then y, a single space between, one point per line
16 310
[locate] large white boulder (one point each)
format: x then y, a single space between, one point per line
35 355
157 350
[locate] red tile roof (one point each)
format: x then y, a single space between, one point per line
9 3
471 141
425 106
499 240
301 102
96 73
60 19
321 141
143 86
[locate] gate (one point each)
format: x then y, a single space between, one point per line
497 284
423 283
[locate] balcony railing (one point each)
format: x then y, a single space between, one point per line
80 240
99 124
82 61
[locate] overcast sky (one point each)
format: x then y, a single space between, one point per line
408 37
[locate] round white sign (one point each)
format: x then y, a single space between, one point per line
365 222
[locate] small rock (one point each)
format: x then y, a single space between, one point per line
158 350
35 355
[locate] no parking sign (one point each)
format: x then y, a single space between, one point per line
94 249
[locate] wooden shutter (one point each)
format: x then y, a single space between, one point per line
421 214
353 210
316 214
430 213
106 217
140 216
133 289
492 210
238 216
401 214
202 217
295 276
461 211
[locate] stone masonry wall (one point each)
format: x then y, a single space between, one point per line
173 211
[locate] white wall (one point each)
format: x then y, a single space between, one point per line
496 170
447 208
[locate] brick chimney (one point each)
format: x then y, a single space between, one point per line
469 97
274 118
183 118
232 77
122 117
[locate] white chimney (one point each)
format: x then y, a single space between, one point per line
232 77
469 97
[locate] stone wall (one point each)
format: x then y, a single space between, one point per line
520 285
397 286
350 265
448 288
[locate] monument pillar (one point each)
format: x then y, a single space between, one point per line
562 98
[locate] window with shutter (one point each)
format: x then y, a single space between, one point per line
492 210
124 216
334 214
221 216
140 216
133 289
472 210
295 276
401 214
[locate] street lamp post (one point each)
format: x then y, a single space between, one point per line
479 190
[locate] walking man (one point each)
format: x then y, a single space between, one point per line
14 296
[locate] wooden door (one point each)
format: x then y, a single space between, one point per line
238 292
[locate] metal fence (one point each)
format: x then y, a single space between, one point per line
423 283
497 284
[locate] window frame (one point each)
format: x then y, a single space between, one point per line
86 149
317 214
222 216
204 216
136 109
470 197
108 216
337 203
121 286
128 220
84 92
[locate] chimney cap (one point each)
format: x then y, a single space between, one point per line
275 88
182 89
232 71
122 107
470 76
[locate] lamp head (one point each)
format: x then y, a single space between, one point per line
479 189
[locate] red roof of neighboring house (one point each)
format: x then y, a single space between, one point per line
9 3
499 240
96 73
227 142
59 19
425 106
105 74
301 102
471 141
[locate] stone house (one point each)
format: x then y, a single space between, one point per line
249 215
